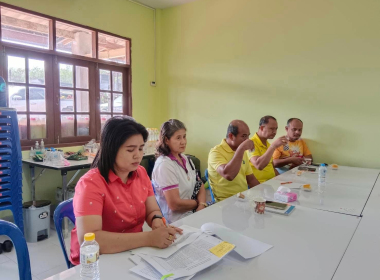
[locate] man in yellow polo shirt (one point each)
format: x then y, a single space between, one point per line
229 171
261 157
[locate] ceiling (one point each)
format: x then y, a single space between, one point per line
162 4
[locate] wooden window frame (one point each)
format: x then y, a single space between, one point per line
52 94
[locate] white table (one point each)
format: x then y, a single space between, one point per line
347 189
308 244
343 199
361 260
352 176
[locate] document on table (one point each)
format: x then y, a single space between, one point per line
245 246
147 271
189 234
189 260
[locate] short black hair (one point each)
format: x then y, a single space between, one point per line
265 120
232 129
115 132
292 119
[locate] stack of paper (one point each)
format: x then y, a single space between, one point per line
193 252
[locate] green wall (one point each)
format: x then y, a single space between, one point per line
243 59
120 17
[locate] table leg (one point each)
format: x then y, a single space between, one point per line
33 184
65 226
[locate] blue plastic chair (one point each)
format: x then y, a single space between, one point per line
209 186
64 209
17 237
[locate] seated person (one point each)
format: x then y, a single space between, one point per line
261 157
294 153
228 165
174 176
115 198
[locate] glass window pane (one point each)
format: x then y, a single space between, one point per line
83 125
117 103
37 126
113 49
67 125
103 119
105 102
36 72
82 101
16 69
81 77
66 75
22 126
24 28
17 97
117 78
37 101
66 97
73 39
105 79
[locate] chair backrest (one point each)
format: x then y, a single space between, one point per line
155 195
15 234
64 209
209 186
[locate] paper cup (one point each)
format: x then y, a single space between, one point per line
260 205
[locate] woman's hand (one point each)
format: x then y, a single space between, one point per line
157 223
162 237
200 207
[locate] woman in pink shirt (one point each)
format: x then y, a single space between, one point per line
115 198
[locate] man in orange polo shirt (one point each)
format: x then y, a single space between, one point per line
294 153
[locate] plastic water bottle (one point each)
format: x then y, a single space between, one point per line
89 258
322 178
42 146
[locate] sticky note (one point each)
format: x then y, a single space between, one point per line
166 276
222 248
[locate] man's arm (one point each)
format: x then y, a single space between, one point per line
275 170
252 181
284 161
230 170
261 161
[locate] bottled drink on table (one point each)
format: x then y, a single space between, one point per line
322 177
89 258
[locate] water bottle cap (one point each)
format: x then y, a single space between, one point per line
89 236
323 164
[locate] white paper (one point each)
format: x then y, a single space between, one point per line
187 261
189 234
145 270
245 246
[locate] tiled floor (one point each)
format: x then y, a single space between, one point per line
46 258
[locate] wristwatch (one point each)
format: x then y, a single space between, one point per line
156 217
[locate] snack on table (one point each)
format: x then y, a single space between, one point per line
334 166
299 173
307 188
240 195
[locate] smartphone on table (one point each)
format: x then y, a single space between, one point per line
275 205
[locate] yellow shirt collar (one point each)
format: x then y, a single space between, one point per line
226 147
258 140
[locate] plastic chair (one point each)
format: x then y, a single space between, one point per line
209 186
17 237
64 209
154 190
